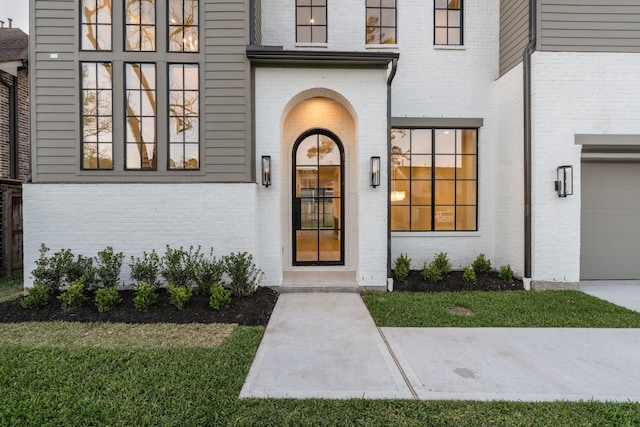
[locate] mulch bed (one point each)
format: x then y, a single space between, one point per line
453 282
254 310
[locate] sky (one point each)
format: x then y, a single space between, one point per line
18 10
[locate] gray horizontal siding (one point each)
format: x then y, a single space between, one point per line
226 145
514 32
589 25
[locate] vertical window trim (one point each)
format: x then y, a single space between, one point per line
82 116
126 27
82 25
168 27
447 26
126 116
326 21
169 143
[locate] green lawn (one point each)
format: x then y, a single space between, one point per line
51 375
10 287
559 309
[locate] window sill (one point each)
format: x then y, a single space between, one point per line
318 45
381 46
449 47
423 234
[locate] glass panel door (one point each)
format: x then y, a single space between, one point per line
317 200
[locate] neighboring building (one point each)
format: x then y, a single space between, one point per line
157 134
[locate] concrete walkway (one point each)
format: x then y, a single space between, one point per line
625 293
326 345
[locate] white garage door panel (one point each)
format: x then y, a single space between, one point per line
610 223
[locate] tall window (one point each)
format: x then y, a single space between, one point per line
140 100
97 118
95 24
183 25
434 179
184 123
381 22
140 20
448 22
311 21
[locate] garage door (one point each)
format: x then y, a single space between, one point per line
610 226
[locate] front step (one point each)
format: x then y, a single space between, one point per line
321 281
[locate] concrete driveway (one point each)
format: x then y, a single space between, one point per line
625 293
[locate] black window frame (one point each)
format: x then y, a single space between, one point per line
447 26
125 89
140 26
196 25
380 7
83 143
169 116
83 24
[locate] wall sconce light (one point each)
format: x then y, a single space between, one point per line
266 171
564 182
375 171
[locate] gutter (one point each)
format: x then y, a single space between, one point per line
392 74
526 59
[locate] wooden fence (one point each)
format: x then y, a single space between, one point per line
11 221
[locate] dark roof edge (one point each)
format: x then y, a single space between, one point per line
277 55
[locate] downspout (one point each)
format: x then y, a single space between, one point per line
392 74
13 127
528 51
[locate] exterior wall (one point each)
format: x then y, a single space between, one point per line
514 32
453 82
133 218
22 92
226 153
589 25
573 93
357 115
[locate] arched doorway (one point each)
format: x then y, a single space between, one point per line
318 205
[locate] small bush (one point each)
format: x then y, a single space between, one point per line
220 298
107 298
506 273
80 268
431 273
469 275
145 296
178 266
108 266
441 262
207 273
47 273
401 267
179 295
244 275
481 265
61 269
74 295
146 269
37 298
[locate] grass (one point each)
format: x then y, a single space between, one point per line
10 287
49 379
559 309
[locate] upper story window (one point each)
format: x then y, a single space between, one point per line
434 179
311 21
140 104
97 116
95 24
381 22
183 26
448 22
184 116
140 20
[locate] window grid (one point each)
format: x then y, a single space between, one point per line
96 22
434 189
140 111
448 22
140 23
184 130
311 21
97 116
183 26
381 22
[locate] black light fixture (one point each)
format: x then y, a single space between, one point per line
266 171
375 171
564 181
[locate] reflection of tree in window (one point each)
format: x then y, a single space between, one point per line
97 137
381 22
183 25
326 147
141 116
141 25
184 129
96 24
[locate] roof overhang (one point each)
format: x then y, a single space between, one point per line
276 55
11 67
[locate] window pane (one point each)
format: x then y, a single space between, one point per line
442 4
318 34
441 18
303 35
454 18
90 156
184 127
421 141
454 36
444 218
421 167
388 3
441 36
445 193
373 3
400 218
421 218
421 192
183 26
466 193
319 16
445 167
191 156
466 167
96 115
388 18
400 141
466 218
388 36
304 16
445 141
469 141
400 192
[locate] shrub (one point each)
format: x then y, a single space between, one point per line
61 269
506 273
441 262
178 266
108 267
47 272
481 265
469 275
38 297
146 270
179 295
145 296
401 267
220 298
79 269
107 298
74 295
431 273
244 275
207 273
